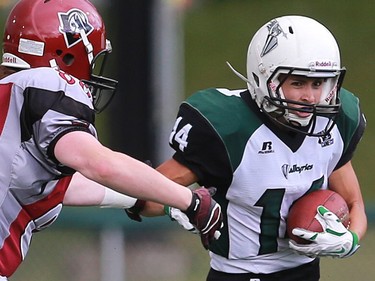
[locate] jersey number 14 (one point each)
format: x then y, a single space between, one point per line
181 135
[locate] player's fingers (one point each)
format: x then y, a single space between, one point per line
331 221
305 234
327 214
212 190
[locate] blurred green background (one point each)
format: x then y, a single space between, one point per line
216 31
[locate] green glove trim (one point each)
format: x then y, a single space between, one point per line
322 210
167 210
355 240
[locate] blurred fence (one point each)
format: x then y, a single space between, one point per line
88 244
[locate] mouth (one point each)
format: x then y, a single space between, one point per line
302 112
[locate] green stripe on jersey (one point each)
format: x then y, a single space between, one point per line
235 123
349 117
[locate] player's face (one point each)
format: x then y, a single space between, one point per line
302 89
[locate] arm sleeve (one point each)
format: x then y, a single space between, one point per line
47 115
357 136
199 147
351 123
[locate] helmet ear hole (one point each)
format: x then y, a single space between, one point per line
256 79
68 59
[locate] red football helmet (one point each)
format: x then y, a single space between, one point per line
68 34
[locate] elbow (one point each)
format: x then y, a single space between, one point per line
99 168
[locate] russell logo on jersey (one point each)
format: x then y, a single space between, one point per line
266 148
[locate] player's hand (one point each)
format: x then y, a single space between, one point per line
335 240
205 214
181 218
134 212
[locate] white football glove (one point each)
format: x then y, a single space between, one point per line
181 218
335 240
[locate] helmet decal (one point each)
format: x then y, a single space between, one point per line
274 30
71 24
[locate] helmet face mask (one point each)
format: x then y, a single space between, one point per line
283 111
69 35
294 45
102 88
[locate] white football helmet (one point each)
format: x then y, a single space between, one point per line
294 45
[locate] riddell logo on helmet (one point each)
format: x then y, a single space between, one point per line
9 59
324 63
330 95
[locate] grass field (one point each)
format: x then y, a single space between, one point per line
175 255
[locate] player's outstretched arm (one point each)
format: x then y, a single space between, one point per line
84 153
85 192
120 172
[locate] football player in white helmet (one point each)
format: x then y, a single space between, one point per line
294 46
293 130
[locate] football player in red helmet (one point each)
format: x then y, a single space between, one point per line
51 85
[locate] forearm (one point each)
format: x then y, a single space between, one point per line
152 209
137 179
345 182
85 192
359 223
119 171
176 172
83 153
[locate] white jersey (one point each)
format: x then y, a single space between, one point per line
37 107
259 171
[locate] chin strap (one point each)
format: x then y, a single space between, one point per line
88 45
53 64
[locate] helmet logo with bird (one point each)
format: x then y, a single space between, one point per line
71 25
271 43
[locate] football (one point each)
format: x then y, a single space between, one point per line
302 212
